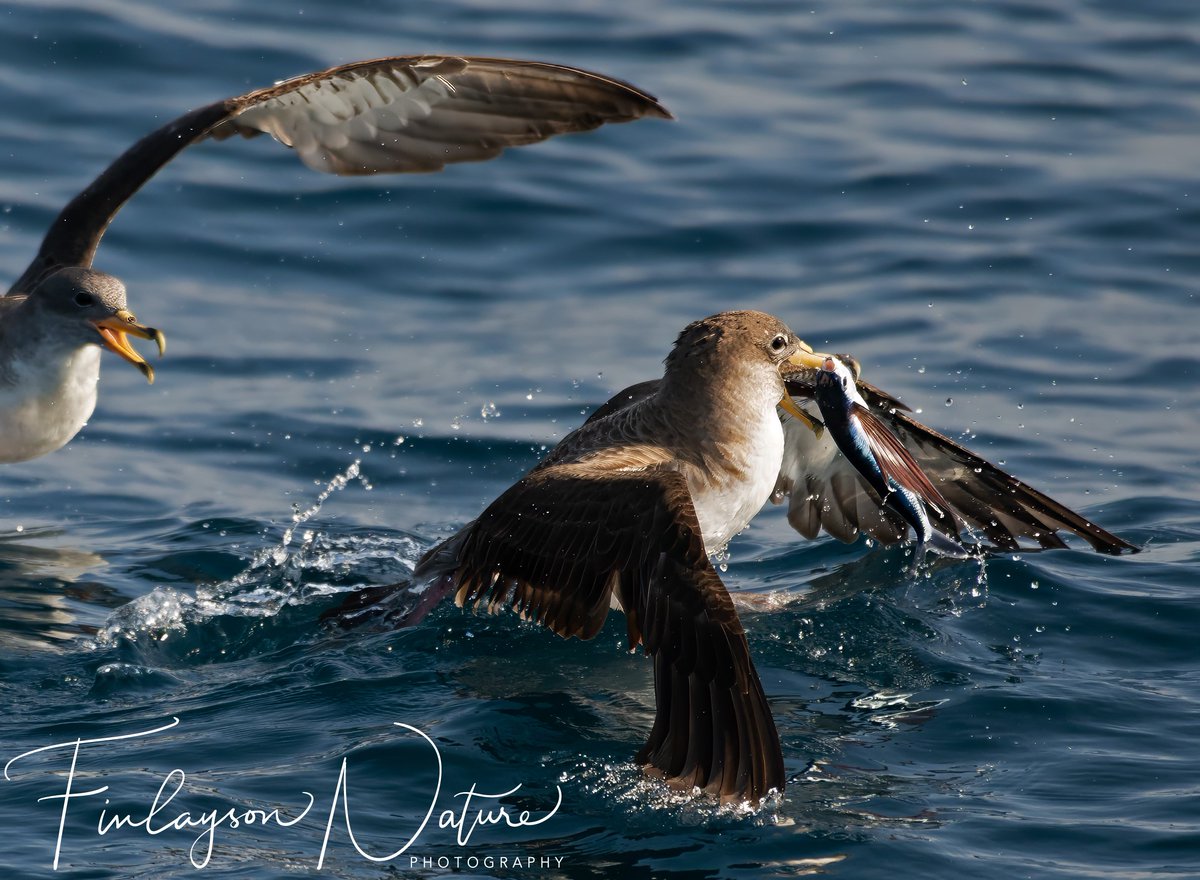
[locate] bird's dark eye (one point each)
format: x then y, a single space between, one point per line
84 299
779 343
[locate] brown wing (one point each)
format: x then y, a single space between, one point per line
825 490
400 114
623 399
987 498
557 544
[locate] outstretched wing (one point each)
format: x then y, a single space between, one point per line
825 491
997 503
400 114
559 543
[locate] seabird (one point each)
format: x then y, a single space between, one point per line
628 510
401 114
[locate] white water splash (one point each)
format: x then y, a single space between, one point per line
305 565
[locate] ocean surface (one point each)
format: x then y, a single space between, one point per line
994 205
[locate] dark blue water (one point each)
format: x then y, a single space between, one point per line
994 205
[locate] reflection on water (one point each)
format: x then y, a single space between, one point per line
49 593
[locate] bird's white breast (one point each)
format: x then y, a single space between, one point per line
725 502
48 401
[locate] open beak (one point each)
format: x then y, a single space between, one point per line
115 330
805 358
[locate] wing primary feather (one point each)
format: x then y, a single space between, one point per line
76 232
827 492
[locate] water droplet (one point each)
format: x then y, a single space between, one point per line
489 410
949 401
921 370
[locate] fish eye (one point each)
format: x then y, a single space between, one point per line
779 343
84 299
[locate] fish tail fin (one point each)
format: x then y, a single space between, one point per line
944 545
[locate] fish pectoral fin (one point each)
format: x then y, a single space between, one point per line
898 464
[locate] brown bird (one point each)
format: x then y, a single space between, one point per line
402 114
628 509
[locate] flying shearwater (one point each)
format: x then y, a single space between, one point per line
627 511
402 114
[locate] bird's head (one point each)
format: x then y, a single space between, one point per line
89 307
745 351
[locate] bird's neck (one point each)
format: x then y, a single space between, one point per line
731 448
731 407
